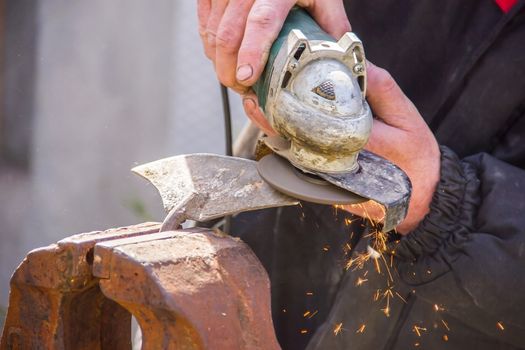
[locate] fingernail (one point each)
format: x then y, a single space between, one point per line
249 103
244 72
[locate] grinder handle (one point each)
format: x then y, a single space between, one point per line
298 18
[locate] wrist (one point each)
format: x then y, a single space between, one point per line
424 184
452 210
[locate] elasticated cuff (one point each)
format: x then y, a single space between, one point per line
451 215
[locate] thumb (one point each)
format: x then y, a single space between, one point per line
387 100
251 107
264 23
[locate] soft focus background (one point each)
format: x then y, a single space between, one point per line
89 89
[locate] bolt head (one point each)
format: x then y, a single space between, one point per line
359 68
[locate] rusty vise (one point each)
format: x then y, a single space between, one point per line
188 289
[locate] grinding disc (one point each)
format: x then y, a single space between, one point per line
284 177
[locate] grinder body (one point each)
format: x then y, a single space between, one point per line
312 92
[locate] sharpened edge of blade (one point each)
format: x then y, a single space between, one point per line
140 171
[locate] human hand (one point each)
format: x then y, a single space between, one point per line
400 135
237 36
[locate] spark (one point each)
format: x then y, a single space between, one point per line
284 310
364 211
381 209
380 241
445 324
338 328
438 308
387 268
348 222
309 293
400 297
500 326
387 294
367 215
416 344
376 261
360 281
347 248
359 261
418 330
386 310
304 331
361 329
445 337
306 313
313 314
376 250
376 209
326 248
376 295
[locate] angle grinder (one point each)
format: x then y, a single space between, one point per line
312 92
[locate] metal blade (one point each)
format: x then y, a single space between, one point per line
379 180
376 179
202 186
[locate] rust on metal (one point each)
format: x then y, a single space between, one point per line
188 289
55 302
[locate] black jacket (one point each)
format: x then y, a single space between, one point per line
458 280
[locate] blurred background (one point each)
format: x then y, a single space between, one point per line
89 89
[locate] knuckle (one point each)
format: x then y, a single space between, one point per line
230 82
386 82
210 37
203 34
241 90
227 39
263 16
226 79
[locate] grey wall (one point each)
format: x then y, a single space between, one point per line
18 71
116 83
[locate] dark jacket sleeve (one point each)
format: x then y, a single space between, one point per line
468 254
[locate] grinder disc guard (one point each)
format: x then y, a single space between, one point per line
284 177
376 179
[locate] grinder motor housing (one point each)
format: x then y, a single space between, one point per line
313 94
